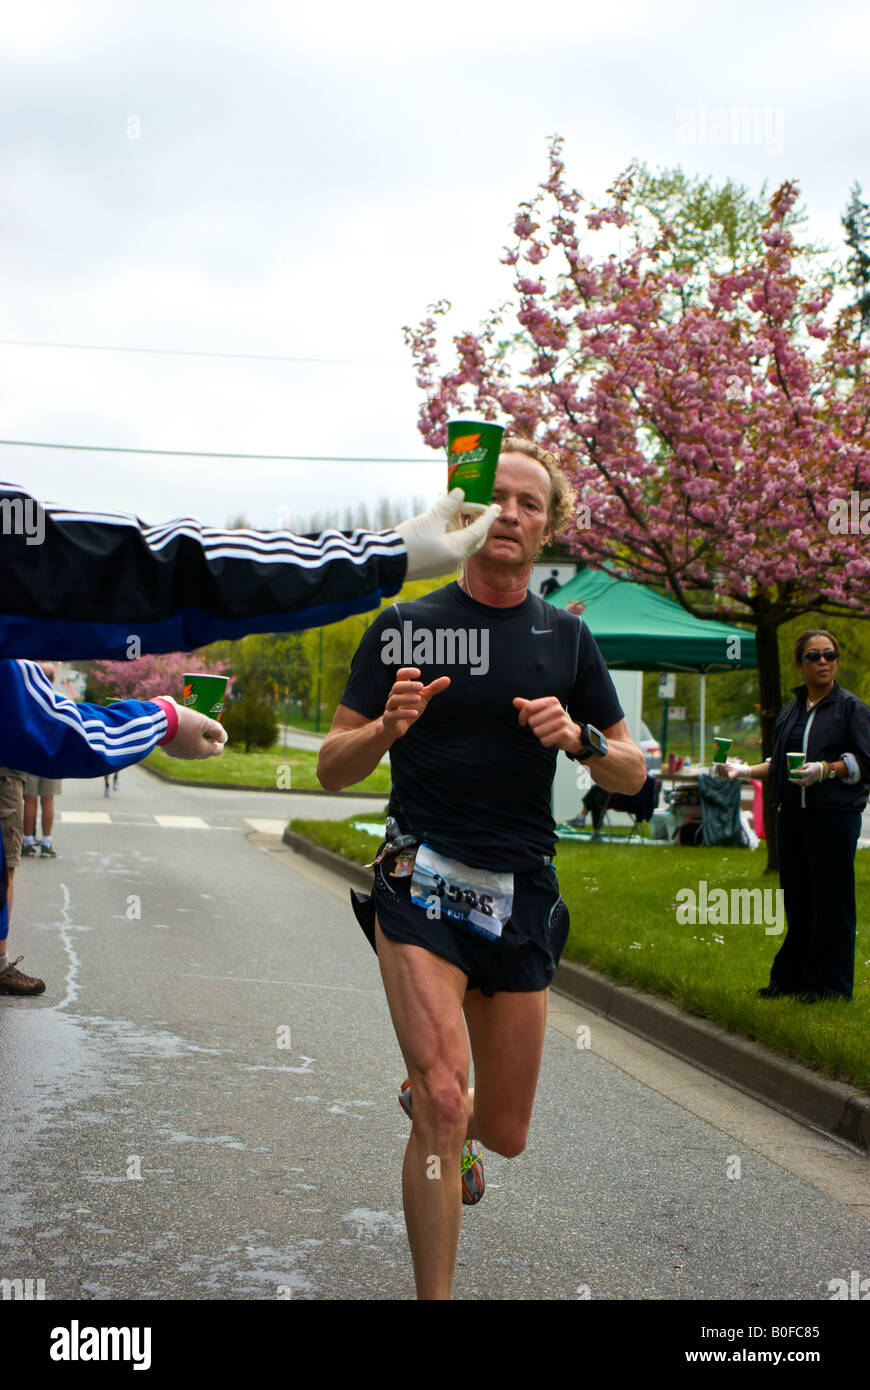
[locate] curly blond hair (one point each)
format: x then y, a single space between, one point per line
563 498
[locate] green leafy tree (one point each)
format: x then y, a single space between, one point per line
856 225
274 665
705 229
251 720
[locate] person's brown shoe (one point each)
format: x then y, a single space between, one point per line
13 981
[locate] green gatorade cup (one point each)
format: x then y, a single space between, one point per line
472 458
795 760
721 749
205 694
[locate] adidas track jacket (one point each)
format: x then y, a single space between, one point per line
83 584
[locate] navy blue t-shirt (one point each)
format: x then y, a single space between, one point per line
466 777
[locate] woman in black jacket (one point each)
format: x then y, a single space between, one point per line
818 822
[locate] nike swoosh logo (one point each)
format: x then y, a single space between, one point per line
540 631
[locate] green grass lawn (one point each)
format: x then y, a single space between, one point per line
287 768
623 908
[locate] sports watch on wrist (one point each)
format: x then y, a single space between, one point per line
594 744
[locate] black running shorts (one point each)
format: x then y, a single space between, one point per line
523 959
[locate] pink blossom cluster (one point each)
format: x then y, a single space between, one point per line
708 435
147 676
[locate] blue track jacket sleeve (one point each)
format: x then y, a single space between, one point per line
87 584
44 733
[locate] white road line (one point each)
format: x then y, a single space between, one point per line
182 822
262 826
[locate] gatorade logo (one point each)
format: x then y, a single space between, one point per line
467 446
464 443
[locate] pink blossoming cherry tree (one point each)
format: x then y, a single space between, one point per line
713 437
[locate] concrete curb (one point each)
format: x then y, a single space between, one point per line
355 874
839 1110
245 787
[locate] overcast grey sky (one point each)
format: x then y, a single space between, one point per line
302 181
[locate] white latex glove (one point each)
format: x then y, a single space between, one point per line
197 736
730 769
808 774
437 542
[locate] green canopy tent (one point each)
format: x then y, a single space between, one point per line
639 630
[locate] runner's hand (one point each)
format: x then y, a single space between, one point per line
408 699
197 736
550 722
437 542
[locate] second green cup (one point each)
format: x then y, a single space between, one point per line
795 760
205 694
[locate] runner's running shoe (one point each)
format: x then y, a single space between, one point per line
405 1098
473 1180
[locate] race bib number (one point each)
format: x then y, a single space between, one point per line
476 898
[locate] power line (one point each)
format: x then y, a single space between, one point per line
204 454
182 352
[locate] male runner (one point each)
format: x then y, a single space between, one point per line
473 755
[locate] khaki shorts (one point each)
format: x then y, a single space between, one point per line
11 819
43 786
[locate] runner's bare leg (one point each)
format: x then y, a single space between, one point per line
425 994
507 1041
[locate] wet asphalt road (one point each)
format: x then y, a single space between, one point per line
202 1104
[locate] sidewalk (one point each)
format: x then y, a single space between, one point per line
838 1110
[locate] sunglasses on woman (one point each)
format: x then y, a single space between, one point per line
820 656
